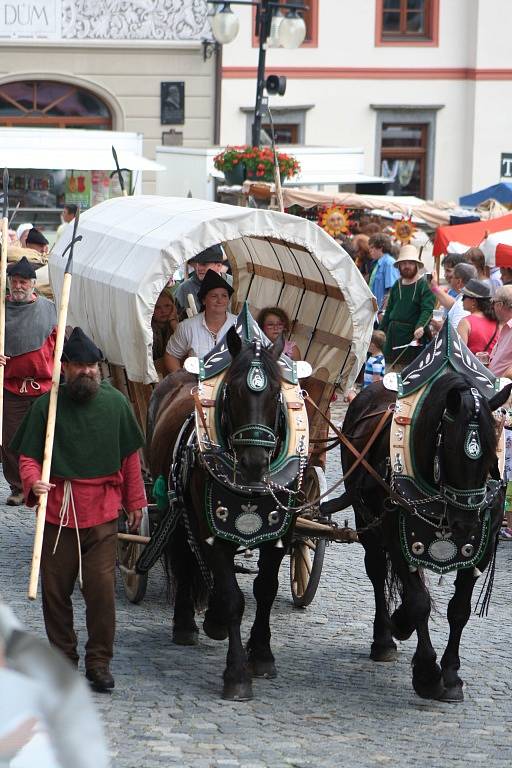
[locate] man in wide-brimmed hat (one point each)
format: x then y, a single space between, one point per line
30 334
95 472
211 258
408 311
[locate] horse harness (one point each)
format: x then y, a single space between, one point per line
425 536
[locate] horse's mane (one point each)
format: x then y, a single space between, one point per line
435 403
237 372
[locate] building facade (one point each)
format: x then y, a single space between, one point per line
422 85
130 66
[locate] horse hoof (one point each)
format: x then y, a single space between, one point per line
433 690
237 691
259 668
453 694
185 636
213 630
383 653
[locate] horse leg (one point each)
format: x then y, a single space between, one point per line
261 659
225 610
459 611
183 566
414 612
375 562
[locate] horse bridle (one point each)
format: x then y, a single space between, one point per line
473 499
253 435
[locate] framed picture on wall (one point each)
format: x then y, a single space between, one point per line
172 103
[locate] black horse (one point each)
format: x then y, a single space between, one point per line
203 566
451 413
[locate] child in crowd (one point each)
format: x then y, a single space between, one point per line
375 366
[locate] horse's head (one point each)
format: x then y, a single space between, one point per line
457 426
252 405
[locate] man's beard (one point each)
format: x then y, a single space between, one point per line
408 273
22 296
84 387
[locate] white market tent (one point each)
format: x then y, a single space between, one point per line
72 149
132 245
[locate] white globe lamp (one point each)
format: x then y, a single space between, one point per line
292 30
225 25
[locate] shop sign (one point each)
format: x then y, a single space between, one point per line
78 188
36 19
506 165
172 103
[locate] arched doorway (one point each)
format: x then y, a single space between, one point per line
50 104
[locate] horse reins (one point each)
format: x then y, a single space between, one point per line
360 456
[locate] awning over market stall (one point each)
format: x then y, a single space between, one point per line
70 149
497 249
460 237
501 192
435 215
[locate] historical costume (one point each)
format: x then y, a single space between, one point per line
409 309
95 471
211 258
199 334
30 333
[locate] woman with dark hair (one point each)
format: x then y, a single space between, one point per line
274 321
479 330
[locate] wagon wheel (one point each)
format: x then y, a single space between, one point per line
307 552
128 553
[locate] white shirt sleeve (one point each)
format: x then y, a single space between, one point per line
180 342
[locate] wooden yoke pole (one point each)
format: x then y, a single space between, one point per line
52 413
3 290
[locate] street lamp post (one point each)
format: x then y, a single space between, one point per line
291 34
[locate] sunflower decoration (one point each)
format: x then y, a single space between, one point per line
404 230
335 220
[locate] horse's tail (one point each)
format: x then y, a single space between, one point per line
394 589
181 565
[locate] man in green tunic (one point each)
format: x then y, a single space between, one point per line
408 312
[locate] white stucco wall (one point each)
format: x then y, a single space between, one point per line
474 125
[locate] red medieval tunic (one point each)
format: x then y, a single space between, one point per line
30 374
97 500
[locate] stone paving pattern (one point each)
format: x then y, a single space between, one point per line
329 706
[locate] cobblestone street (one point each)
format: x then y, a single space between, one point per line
329 706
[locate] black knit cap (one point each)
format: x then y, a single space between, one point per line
211 255
22 268
79 348
35 237
210 281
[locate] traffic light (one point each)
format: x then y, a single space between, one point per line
275 84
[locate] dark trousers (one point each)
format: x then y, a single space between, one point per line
15 408
59 572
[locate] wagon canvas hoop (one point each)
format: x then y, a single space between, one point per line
135 244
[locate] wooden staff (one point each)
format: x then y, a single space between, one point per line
3 286
52 412
277 174
119 173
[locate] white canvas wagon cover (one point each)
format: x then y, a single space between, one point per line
132 245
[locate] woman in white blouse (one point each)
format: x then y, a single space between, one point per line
199 334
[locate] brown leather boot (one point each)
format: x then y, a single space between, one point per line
100 679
